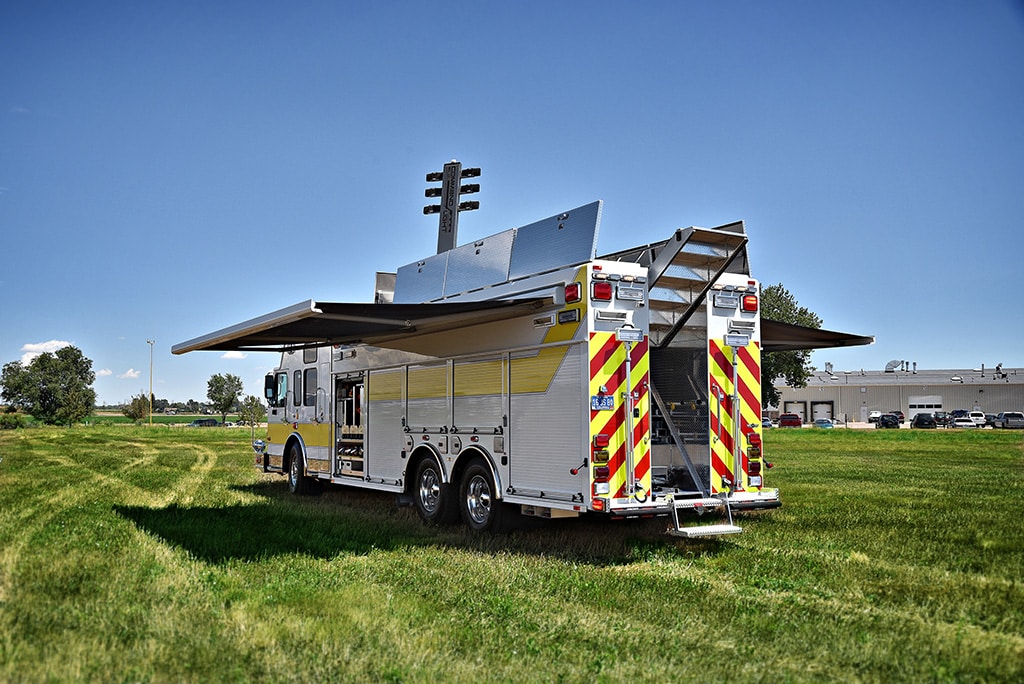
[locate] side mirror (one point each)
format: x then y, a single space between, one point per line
270 389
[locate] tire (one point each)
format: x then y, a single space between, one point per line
298 483
481 510
431 496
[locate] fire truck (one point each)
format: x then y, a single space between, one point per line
521 374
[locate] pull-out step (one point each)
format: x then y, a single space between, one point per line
700 505
705 530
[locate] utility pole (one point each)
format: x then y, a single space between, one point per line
150 343
449 208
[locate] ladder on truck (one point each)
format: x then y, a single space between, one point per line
680 273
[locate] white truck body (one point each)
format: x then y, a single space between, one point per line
560 384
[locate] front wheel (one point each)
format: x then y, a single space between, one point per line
481 511
298 483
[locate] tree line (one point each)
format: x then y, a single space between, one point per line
55 388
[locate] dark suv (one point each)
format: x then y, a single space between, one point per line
888 420
923 420
941 418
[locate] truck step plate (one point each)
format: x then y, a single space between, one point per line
710 502
705 531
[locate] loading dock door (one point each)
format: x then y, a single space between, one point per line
821 409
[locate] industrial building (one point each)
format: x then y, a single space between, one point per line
851 396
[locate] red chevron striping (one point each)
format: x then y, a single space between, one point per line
723 434
638 352
748 397
640 428
602 355
719 356
643 466
617 459
719 466
748 361
612 425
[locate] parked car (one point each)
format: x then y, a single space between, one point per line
899 414
923 420
823 423
1010 420
874 416
204 422
888 420
963 423
790 420
941 419
978 417
990 419
766 423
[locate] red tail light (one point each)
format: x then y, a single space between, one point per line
750 303
601 441
573 293
602 291
602 473
753 467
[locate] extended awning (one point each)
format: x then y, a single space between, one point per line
314 324
776 336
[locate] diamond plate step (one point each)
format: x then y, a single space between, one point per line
705 530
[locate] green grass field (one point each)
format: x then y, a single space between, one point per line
138 554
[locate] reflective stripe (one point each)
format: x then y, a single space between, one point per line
608 369
720 359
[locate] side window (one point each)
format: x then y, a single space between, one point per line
297 388
280 391
309 355
309 399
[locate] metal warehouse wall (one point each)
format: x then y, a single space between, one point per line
856 394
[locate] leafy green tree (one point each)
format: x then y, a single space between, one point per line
55 387
222 390
138 408
252 411
794 367
16 382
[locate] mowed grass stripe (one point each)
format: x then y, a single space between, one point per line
895 557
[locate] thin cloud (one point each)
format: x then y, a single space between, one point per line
105 373
34 349
130 374
234 355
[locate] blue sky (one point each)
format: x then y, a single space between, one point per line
171 168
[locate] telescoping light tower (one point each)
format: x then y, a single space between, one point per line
450 206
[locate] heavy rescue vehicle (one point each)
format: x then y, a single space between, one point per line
522 371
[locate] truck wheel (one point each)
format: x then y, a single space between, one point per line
297 481
481 511
431 496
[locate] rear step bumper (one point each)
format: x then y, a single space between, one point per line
754 501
